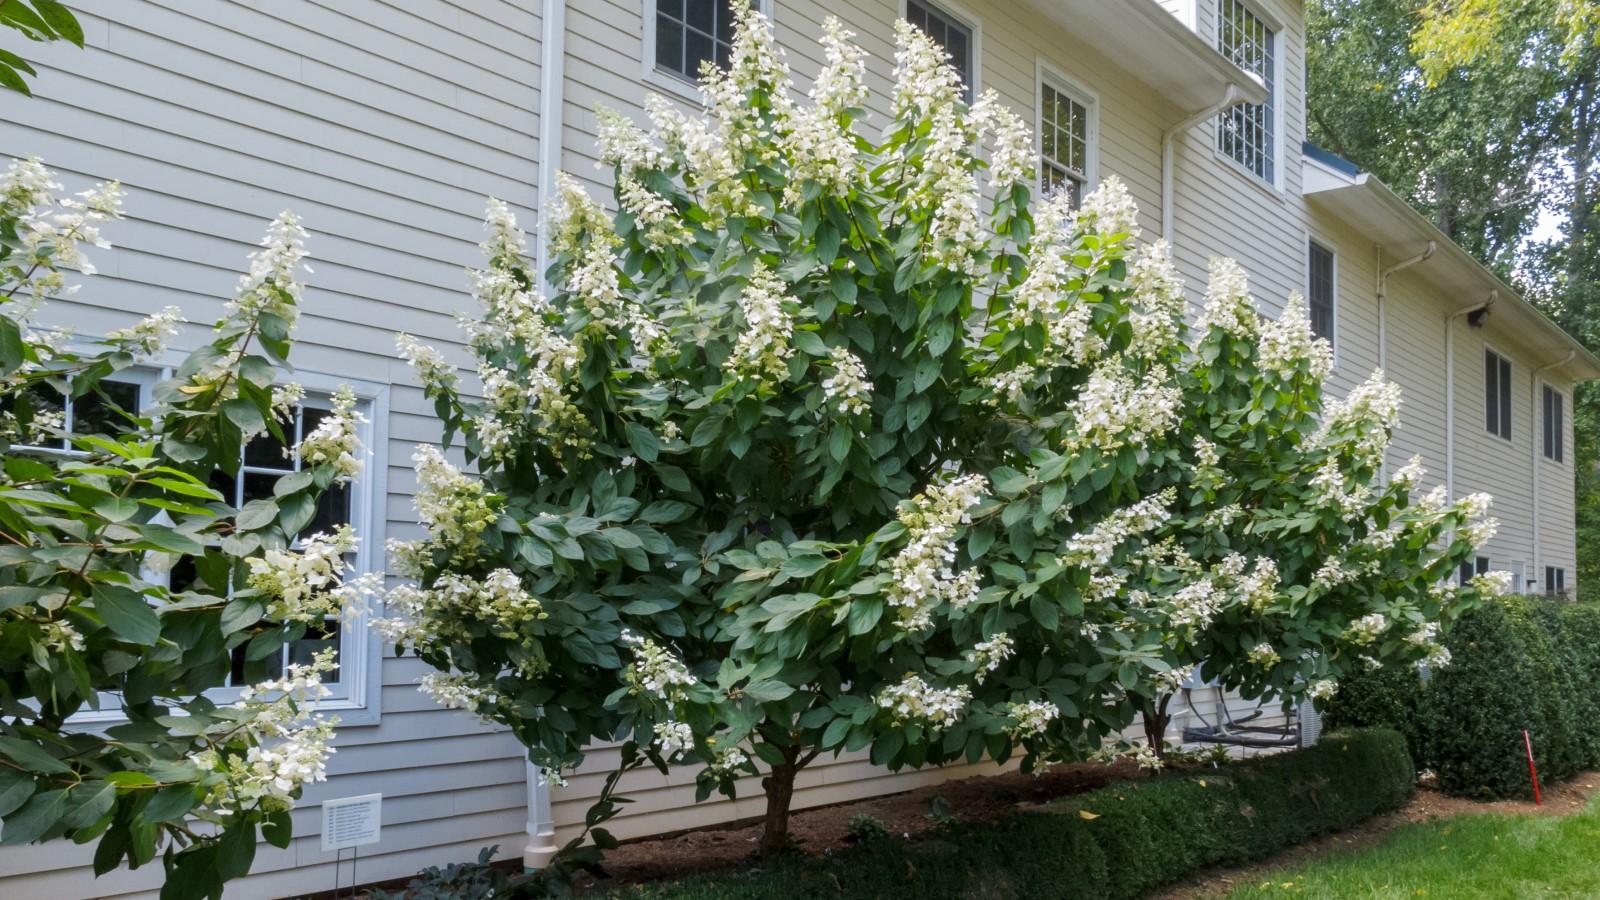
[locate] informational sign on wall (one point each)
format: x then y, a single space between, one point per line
351 821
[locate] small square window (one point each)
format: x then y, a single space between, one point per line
948 32
690 33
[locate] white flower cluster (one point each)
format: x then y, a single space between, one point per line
654 215
1030 719
572 216
1495 583
455 508
433 370
272 286
1012 159
1228 305
673 738
1287 341
622 144
988 655
727 763
1109 213
1259 589
655 671
820 149
1480 526
1330 490
51 231
1367 629
336 441
1410 475
739 131
1322 691
149 336
1157 321
1097 545
307 585
1363 421
914 700
1113 411
848 388
920 574
459 692
287 745
58 636
1264 655
1426 638
762 350
1193 606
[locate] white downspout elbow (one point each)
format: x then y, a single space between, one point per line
1533 441
1169 159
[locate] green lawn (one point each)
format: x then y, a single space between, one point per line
1479 856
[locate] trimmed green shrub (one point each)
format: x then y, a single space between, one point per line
1477 707
1580 632
1388 697
1115 843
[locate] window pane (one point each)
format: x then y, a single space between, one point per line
257 486
49 410
689 32
701 15
93 414
323 636
333 509
1245 133
669 46
1491 392
954 37
1505 398
698 48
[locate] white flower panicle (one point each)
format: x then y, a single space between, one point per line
1227 304
673 739
572 217
505 242
59 636
1157 321
1259 589
1109 213
1331 490
1030 719
1013 158
459 692
1362 423
655 672
51 230
149 336
272 285
1113 411
1097 544
921 575
1287 341
914 700
762 350
654 215
623 145
848 388
307 585
1263 655
437 375
819 146
989 654
455 508
1367 629
1410 475
1495 583
727 763
1322 691
336 441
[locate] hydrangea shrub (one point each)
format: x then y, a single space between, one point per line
93 521
832 440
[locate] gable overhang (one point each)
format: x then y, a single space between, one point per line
1368 206
1155 47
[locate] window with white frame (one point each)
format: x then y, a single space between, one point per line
1555 580
1554 426
264 460
1497 394
1066 141
689 33
951 33
1320 287
1245 133
1477 566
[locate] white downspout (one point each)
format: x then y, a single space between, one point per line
541 828
1383 321
1169 160
1450 393
1533 404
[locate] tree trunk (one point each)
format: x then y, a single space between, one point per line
1156 720
779 787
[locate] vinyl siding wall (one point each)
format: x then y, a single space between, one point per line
383 125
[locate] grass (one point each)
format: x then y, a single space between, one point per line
1476 856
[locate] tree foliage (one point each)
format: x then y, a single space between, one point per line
809 454
36 20
94 516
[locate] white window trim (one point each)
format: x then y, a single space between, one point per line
668 80
1338 329
1484 413
1045 73
358 697
973 23
1274 25
1561 438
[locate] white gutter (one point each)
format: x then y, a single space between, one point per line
1450 393
1169 160
1533 404
541 827
1383 322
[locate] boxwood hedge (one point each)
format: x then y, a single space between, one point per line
1117 842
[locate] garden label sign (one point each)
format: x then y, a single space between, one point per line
352 821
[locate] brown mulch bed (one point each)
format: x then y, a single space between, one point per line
1427 805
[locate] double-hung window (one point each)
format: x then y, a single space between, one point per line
1246 133
1497 394
1555 580
952 33
690 33
1478 566
1554 426
1320 291
1066 141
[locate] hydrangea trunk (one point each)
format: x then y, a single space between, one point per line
779 788
1156 719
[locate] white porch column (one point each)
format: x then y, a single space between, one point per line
541 846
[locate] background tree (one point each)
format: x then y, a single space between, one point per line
809 454
37 20
1485 114
93 520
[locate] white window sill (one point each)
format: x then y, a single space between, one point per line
674 84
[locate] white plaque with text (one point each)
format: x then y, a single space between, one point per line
351 821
